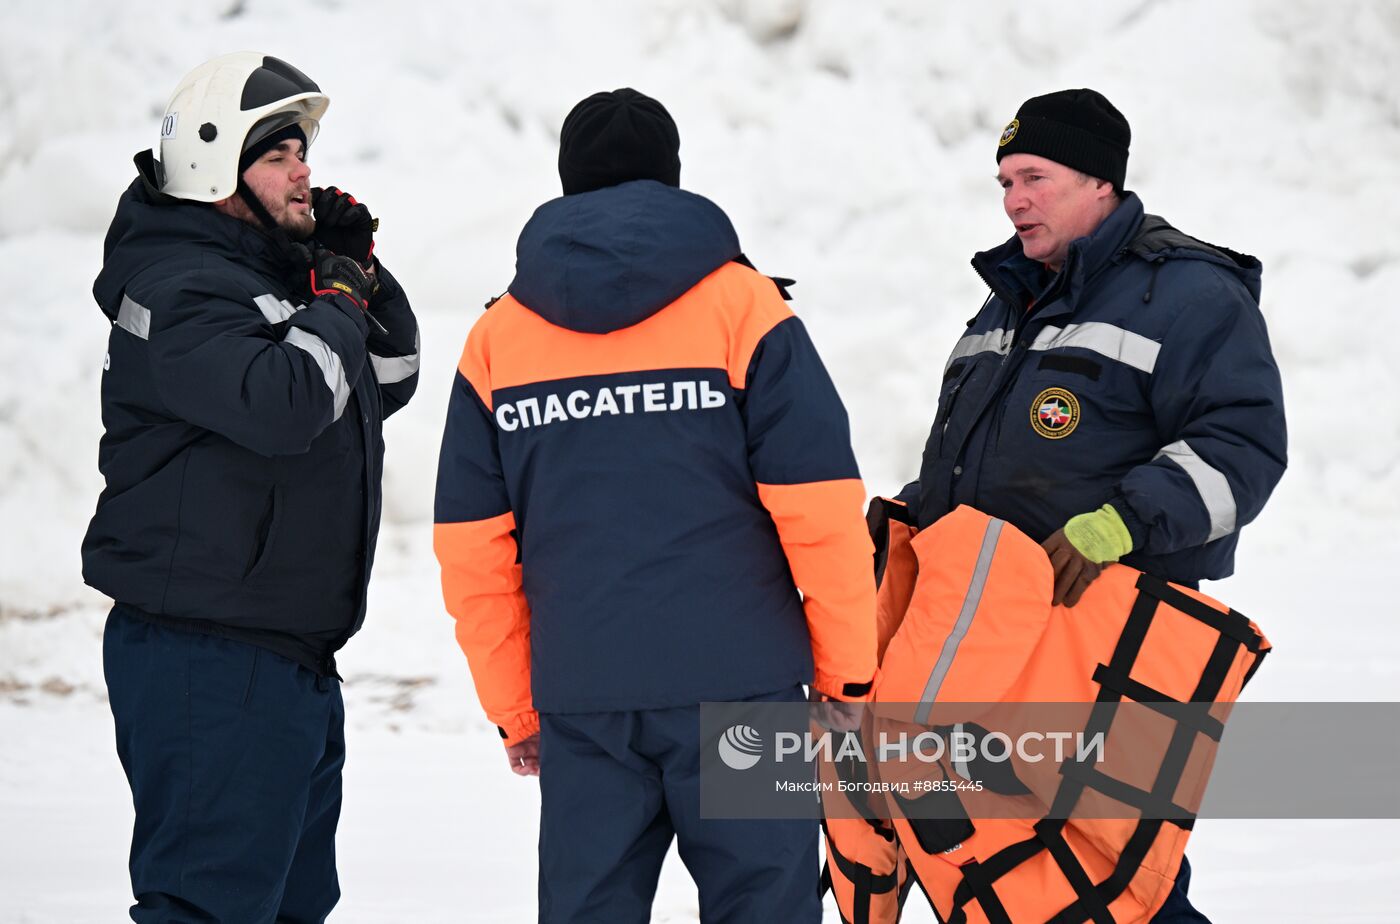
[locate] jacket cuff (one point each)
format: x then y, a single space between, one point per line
1137 529
841 689
388 285
347 307
519 727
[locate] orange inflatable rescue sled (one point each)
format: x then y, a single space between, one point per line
1149 667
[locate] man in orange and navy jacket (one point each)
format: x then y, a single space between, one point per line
644 461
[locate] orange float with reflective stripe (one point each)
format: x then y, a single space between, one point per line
965 617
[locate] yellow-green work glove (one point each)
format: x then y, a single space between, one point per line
1099 536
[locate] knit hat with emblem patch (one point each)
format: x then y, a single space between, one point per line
1078 128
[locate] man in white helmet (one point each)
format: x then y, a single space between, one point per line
257 344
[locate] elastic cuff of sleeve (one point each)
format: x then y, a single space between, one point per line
388 285
1099 536
1134 523
519 727
846 691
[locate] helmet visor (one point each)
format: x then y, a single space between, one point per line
298 114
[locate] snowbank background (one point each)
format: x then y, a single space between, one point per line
852 144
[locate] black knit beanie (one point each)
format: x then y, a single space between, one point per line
611 138
263 145
1078 128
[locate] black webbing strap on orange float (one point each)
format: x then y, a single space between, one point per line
1156 806
979 877
862 878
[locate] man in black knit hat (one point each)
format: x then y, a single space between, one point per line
256 347
1115 397
644 460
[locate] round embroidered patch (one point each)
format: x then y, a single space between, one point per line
1009 132
1055 413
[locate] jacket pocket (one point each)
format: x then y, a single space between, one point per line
959 374
264 535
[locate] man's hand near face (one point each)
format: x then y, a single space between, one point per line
344 224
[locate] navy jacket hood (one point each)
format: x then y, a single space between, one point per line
601 261
1156 241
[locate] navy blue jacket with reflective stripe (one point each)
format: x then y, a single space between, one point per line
1142 377
242 446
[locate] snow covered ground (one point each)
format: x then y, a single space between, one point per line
852 144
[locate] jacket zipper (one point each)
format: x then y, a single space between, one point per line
994 438
995 432
952 402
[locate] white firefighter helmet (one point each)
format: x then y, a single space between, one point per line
222 107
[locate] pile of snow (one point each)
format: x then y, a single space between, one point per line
852 144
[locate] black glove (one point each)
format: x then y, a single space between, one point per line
333 273
343 225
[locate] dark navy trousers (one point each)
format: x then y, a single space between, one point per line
1178 908
615 787
234 757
